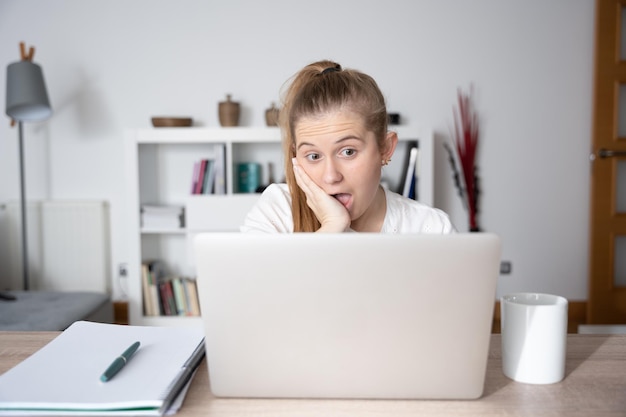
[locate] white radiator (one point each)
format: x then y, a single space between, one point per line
68 245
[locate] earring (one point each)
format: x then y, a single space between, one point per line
385 162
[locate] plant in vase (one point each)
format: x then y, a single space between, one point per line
466 135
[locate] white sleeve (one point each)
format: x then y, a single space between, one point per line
272 213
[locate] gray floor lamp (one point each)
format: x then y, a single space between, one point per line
27 101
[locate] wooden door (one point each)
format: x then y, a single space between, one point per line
607 275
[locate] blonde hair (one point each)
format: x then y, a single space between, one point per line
318 88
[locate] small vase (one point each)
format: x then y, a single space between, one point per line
271 116
228 112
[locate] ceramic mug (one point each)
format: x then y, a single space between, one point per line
534 337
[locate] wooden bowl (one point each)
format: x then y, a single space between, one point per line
171 121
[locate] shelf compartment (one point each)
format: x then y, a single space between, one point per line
170 249
166 170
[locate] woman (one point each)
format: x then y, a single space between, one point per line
335 142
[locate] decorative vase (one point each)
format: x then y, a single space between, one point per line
228 112
271 116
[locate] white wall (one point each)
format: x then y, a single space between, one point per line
113 64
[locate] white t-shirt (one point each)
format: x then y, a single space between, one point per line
272 214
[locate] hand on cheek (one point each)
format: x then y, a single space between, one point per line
332 215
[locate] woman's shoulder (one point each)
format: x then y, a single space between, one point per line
272 211
276 194
405 215
277 189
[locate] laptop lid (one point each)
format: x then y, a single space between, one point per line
347 315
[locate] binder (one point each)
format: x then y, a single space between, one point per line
63 377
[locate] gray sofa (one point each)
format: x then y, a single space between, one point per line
49 311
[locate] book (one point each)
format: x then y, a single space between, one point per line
168 302
412 189
157 270
148 303
63 377
152 272
220 170
164 300
409 179
200 180
195 176
192 297
208 184
179 296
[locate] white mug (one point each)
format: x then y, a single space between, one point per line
534 337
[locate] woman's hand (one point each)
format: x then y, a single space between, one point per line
332 215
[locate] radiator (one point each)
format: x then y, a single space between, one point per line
68 245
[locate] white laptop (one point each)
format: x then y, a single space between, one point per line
347 315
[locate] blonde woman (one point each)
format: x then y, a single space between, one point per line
335 143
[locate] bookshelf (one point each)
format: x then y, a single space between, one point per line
159 171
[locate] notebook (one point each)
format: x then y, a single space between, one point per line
63 377
347 315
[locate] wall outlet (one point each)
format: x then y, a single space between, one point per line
505 267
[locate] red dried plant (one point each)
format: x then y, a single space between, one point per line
466 134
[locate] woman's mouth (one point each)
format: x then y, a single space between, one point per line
344 199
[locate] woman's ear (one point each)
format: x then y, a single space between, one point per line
391 141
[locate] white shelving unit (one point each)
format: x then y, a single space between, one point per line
159 167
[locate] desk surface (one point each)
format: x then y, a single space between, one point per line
595 385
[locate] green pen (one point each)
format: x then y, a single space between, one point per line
119 363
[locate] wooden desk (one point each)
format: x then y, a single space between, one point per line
595 385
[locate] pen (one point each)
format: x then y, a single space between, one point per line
119 363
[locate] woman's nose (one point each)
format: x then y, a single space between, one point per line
332 174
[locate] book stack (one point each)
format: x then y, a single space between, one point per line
162 217
203 180
167 296
209 176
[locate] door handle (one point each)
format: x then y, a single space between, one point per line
608 153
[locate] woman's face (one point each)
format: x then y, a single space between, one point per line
341 157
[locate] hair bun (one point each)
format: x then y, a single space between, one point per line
336 68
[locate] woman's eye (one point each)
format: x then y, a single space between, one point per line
348 152
313 157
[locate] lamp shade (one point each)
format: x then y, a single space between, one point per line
27 98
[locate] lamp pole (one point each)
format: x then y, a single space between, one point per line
26 100
20 128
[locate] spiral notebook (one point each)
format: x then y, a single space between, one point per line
63 377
